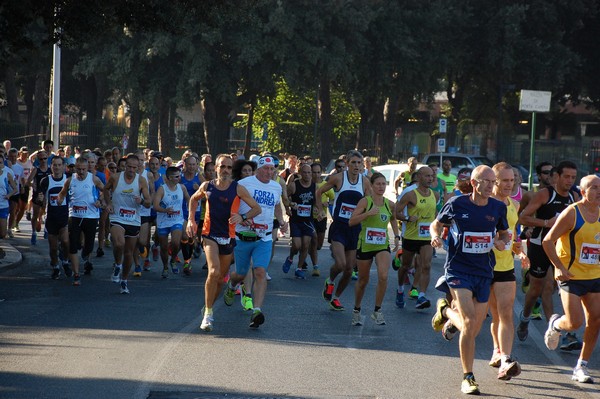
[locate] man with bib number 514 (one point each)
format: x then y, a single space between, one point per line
478 223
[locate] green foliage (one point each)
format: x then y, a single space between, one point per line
290 119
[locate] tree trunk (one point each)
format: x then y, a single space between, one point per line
216 125
11 95
135 120
325 121
101 93
172 140
39 105
89 99
390 122
248 138
163 133
152 141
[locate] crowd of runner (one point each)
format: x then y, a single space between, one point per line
143 205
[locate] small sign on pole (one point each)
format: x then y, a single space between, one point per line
441 145
443 125
535 101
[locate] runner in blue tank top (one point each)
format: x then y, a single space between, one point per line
349 186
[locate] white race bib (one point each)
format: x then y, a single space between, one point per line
221 240
589 254
174 214
424 230
477 243
127 213
346 210
375 236
260 229
53 199
79 210
303 211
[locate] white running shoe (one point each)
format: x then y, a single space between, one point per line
581 374
552 337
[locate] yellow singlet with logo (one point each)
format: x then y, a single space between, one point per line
425 210
504 259
579 250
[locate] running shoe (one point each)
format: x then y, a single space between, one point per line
55 273
269 278
397 261
315 271
378 318
28 216
228 295
449 330
299 273
107 243
335 304
524 280
99 252
413 293
155 252
536 311
470 386
286 265
10 233
508 370
146 265
246 299
356 318
257 319
124 287
354 275
33 238
496 359
552 336
116 274
400 300
581 374
87 267
207 323
570 342
67 268
523 328
165 273
187 269
76 279
17 229
328 290
438 320
174 267
137 271
143 251
422 303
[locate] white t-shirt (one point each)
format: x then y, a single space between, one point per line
268 196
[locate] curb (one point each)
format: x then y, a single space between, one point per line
10 257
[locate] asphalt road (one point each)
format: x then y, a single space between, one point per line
60 341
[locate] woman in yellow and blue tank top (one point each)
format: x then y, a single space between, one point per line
374 213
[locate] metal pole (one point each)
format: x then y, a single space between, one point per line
55 88
532 151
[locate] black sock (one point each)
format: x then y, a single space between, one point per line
377 308
465 375
357 309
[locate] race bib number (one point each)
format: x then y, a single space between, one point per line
375 236
127 214
260 229
53 200
477 243
589 254
221 240
79 210
174 214
424 230
303 211
346 210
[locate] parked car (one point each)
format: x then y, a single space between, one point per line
458 161
391 172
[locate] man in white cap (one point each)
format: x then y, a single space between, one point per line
254 235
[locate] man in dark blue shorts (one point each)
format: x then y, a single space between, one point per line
477 224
